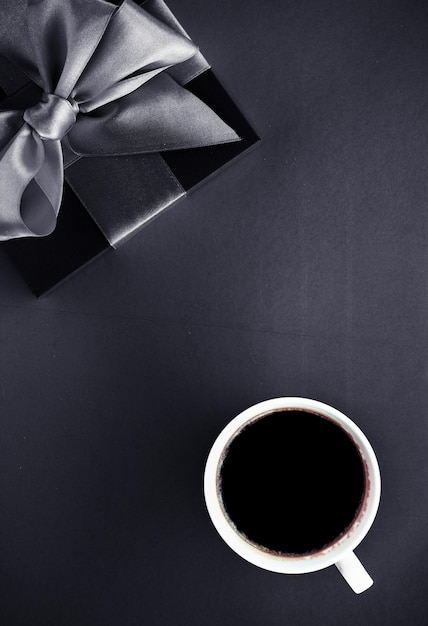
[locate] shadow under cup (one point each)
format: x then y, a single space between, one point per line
292 482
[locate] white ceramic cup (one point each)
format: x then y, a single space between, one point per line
340 552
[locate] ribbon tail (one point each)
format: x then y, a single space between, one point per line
31 184
161 115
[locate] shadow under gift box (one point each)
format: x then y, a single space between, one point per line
122 194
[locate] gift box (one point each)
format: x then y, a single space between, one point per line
108 199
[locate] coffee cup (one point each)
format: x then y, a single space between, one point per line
293 485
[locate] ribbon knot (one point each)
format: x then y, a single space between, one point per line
53 117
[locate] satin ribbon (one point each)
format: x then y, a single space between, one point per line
105 92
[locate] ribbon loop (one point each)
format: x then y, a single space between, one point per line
53 117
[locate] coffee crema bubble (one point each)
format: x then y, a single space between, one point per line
292 482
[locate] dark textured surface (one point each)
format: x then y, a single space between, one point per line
300 270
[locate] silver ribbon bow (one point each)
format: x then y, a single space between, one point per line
105 92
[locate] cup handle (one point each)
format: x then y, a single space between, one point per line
354 573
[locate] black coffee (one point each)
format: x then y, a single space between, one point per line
292 482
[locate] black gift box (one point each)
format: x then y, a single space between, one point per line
131 190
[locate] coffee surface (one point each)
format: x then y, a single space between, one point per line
292 482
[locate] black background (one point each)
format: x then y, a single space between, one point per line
299 270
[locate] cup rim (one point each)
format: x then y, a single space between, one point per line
281 563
